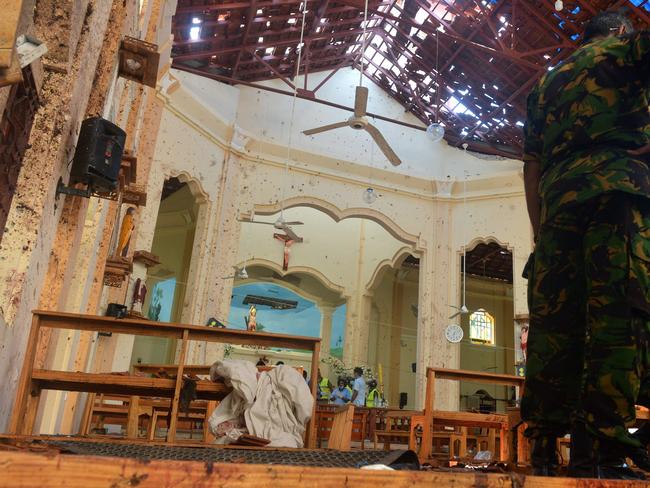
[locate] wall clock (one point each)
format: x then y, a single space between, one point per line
454 333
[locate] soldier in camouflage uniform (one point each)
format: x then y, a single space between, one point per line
588 196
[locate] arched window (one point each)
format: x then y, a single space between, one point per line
481 327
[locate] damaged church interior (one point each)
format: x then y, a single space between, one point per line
261 241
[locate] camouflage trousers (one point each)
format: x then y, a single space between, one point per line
588 342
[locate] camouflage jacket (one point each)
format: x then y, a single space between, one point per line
583 116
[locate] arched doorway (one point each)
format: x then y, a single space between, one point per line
167 282
347 250
488 343
392 338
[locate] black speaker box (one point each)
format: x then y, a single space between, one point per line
403 399
116 310
98 156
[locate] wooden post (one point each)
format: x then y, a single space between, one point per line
427 432
503 444
207 435
132 417
24 383
31 409
171 434
310 437
86 420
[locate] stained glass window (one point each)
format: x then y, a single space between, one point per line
481 327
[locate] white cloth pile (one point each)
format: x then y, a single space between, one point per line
275 405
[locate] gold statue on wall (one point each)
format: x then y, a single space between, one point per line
125 232
251 319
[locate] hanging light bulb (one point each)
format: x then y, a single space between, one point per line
369 195
559 5
435 132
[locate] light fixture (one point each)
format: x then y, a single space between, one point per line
435 132
195 33
243 274
559 5
369 195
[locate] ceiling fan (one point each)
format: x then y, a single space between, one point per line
359 122
280 224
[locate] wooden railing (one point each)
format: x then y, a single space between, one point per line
33 381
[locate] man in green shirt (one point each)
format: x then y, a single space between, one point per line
587 183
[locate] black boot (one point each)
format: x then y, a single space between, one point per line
640 454
611 464
598 458
582 461
544 457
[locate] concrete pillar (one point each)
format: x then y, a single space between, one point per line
326 328
34 213
436 292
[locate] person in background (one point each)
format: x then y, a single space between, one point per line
324 386
341 395
374 399
588 196
348 385
358 388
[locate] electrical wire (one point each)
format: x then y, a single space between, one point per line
363 42
303 8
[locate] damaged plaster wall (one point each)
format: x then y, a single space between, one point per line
422 201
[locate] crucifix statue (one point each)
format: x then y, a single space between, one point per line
288 241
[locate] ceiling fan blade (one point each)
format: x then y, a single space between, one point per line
294 223
360 101
383 145
325 128
455 315
292 235
255 222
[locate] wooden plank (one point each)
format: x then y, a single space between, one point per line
171 433
62 320
189 369
469 419
24 382
123 385
23 469
172 369
477 376
341 434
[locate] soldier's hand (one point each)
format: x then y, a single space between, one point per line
642 151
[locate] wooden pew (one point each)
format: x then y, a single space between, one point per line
32 381
399 426
500 422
